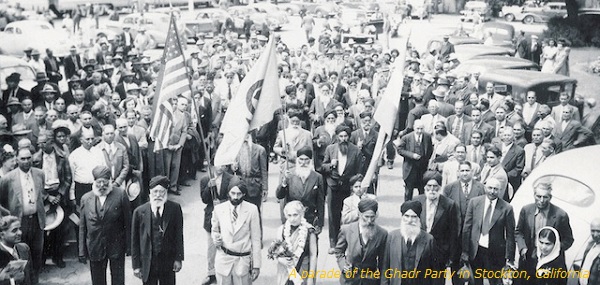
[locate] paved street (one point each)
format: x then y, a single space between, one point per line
390 194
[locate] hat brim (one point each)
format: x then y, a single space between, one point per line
53 218
133 189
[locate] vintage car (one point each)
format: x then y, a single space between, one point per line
319 10
480 8
201 29
482 64
239 14
10 64
531 13
287 6
502 33
156 25
469 47
548 87
356 17
272 10
353 40
40 35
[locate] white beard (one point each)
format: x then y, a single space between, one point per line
409 231
303 172
97 192
157 204
330 128
325 100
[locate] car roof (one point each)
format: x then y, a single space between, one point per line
588 11
27 23
523 77
490 62
498 25
9 61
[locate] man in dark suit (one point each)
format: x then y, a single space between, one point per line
304 184
440 218
416 148
535 216
13 249
52 67
57 184
105 228
478 124
22 195
72 63
251 166
408 248
342 161
213 191
570 132
535 50
13 89
591 255
157 236
134 155
513 160
365 139
488 235
361 245
205 114
459 123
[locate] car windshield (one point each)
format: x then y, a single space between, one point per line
25 71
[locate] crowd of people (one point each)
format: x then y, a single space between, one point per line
88 151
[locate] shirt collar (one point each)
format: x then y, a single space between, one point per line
543 211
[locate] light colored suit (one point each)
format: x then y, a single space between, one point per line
118 162
530 164
556 113
497 172
241 237
11 196
429 121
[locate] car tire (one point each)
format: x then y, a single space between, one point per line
509 17
528 20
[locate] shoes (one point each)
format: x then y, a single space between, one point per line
331 251
390 164
210 279
59 263
185 183
203 169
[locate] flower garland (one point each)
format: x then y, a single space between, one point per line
302 233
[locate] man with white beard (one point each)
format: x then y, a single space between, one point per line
324 136
292 139
157 250
408 248
304 184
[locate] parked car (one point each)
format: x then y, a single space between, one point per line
474 45
239 14
356 17
502 33
17 36
200 29
548 87
287 6
466 52
272 10
531 13
319 10
482 64
10 64
156 25
476 7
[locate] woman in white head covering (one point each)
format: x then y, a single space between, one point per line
546 260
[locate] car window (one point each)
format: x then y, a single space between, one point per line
18 31
569 190
128 20
9 30
26 73
148 21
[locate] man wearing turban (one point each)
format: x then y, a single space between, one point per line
342 161
408 248
157 247
104 228
360 245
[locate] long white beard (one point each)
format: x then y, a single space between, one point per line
409 231
157 203
330 128
96 191
302 172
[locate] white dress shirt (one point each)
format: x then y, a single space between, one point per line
341 162
83 161
28 193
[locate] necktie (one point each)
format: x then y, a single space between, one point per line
14 253
486 220
485 176
457 127
466 188
418 140
409 244
75 63
474 155
158 215
29 189
235 214
534 158
229 91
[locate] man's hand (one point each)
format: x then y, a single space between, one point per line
177 266
137 273
54 199
83 260
416 156
523 253
254 273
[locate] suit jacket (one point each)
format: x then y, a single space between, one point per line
513 163
63 169
455 192
350 251
595 269
21 94
407 149
488 116
120 89
118 163
319 151
227 181
106 232
392 258
534 53
368 146
479 157
258 177
501 235
445 228
557 113
11 196
311 193
353 160
70 68
573 135
429 121
141 237
243 236
530 149
557 218
134 153
30 123
486 129
496 172
465 124
24 253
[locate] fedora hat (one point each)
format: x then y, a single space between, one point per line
48 89
20 130
54 216
41 76
61 125
438 93
13 102
14 77
35 52
133 189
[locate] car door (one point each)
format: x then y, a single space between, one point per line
9 36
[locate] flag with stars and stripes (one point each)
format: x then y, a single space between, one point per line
173 81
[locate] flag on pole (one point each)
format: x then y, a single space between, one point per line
173 81
387 111
252 106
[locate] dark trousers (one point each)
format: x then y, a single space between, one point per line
33 236
258 202
335 202
390 151
80 189
161 272
485 260
117 271
413 180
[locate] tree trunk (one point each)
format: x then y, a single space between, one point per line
572 8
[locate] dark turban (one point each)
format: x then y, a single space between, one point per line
329 112
242 186
432 175
367 204
411 205
305 151
101 171
342 128
365 114
159 181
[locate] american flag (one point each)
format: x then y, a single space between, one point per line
172 81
